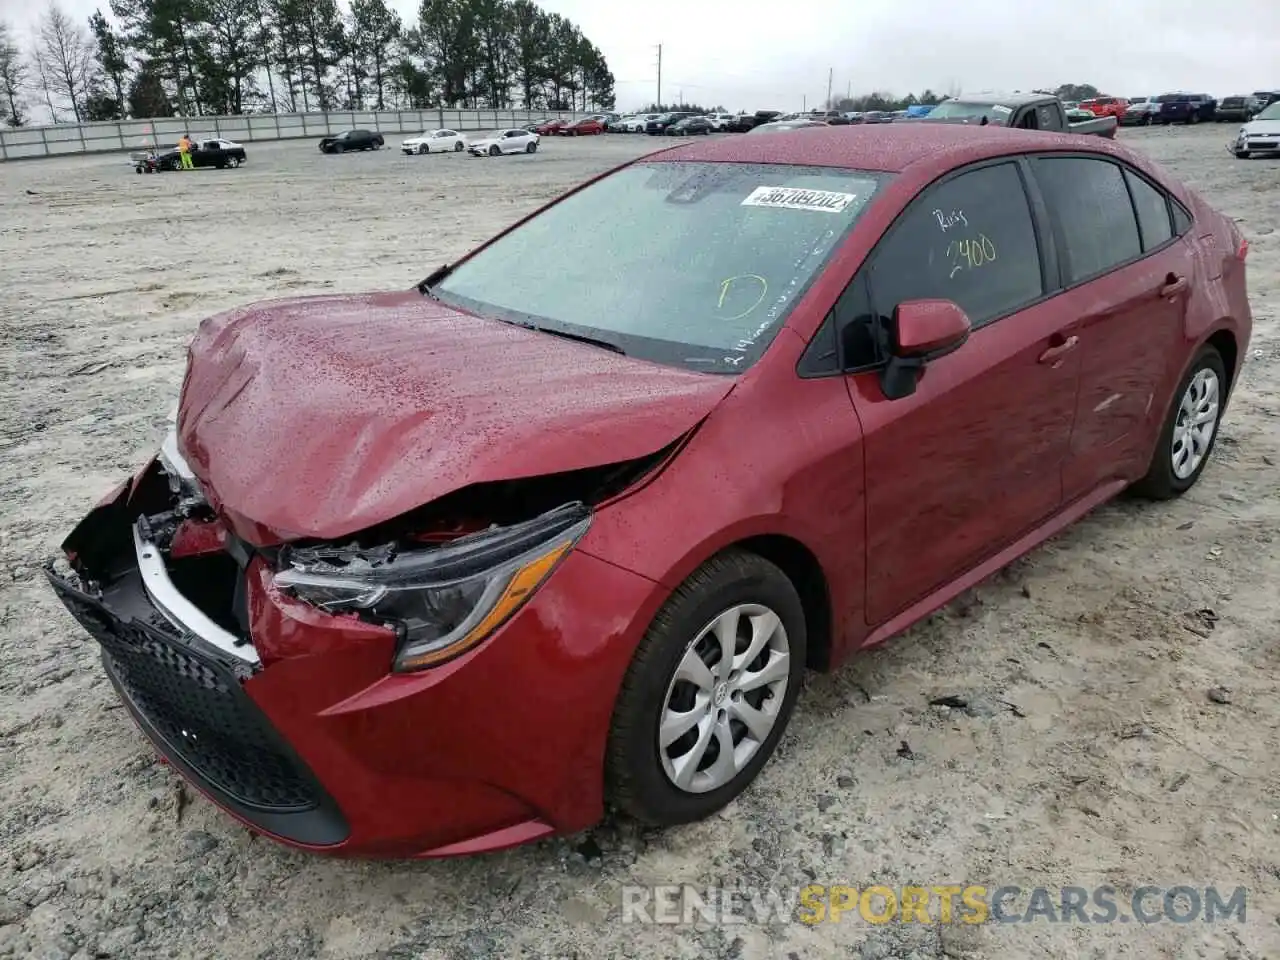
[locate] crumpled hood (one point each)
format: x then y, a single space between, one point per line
322 416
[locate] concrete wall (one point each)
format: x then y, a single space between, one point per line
127 135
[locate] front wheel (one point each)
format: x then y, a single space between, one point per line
708 693
457 147
1243 154
1190 429
494 151
423 149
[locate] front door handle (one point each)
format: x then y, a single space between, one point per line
1055 353
1173 287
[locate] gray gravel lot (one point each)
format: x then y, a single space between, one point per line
1116 767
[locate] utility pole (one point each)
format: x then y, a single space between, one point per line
831 72
659 103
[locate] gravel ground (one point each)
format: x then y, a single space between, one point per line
1116 767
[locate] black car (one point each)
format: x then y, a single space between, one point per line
877 116
216 153
352 140
659 126
832 118
689 126
1234 108
1185 108
748 121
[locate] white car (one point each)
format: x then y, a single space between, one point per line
435 141
504 141
720 121
1259 135
637 123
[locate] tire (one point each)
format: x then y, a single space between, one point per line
1162 481
339 148
233 163
494 151
1193 119
531 148
1243 154
638 771
423 149
457 147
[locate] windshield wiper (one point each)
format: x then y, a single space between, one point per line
564 335
424 286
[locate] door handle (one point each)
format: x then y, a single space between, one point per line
1173 287
1056 352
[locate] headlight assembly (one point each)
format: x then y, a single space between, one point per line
441 600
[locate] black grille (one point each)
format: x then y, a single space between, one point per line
196 705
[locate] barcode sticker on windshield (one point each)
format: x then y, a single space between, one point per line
796 198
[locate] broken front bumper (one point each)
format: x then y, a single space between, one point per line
291 719
181 676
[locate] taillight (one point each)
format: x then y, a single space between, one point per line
1244 249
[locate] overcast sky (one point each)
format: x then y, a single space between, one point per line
752 54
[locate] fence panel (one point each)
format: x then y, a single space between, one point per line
66 139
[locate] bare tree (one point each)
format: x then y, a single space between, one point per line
64 59
13 78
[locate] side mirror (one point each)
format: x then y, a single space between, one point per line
921 331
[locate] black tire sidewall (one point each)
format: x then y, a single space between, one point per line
635 776
1160 480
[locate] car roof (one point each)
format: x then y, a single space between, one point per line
888 148
1009 100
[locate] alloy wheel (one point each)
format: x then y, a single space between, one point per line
724 698
1196 422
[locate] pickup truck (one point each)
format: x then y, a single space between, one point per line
1024 111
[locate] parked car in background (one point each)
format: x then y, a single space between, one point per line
720 121
877 116
1105 106
832 118
352 140
1025 111
586 127
744 122
917 110
499 142
689 126
783 126
623 124
1070 104
1259 135
1261 99
1141 111
1185 108
659 126
215 153
444 570
641 121
435 141
549 127
1238 109
855 116
607 120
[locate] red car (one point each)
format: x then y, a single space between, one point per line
440 571
549 128
581 128
1106 106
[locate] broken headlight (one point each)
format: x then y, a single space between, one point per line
441 600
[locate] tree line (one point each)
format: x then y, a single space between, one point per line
190 58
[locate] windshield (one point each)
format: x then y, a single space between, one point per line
1173 98
699 265
1270 113
959 110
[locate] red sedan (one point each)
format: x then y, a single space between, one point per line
587 126
549 128
441 571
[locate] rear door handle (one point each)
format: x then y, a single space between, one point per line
1055 353
1173 287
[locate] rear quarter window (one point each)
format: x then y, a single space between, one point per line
1152 207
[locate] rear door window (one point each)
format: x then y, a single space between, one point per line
1090 202
970 240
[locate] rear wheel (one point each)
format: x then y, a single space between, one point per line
531 148
1190 429
457 147
708 693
